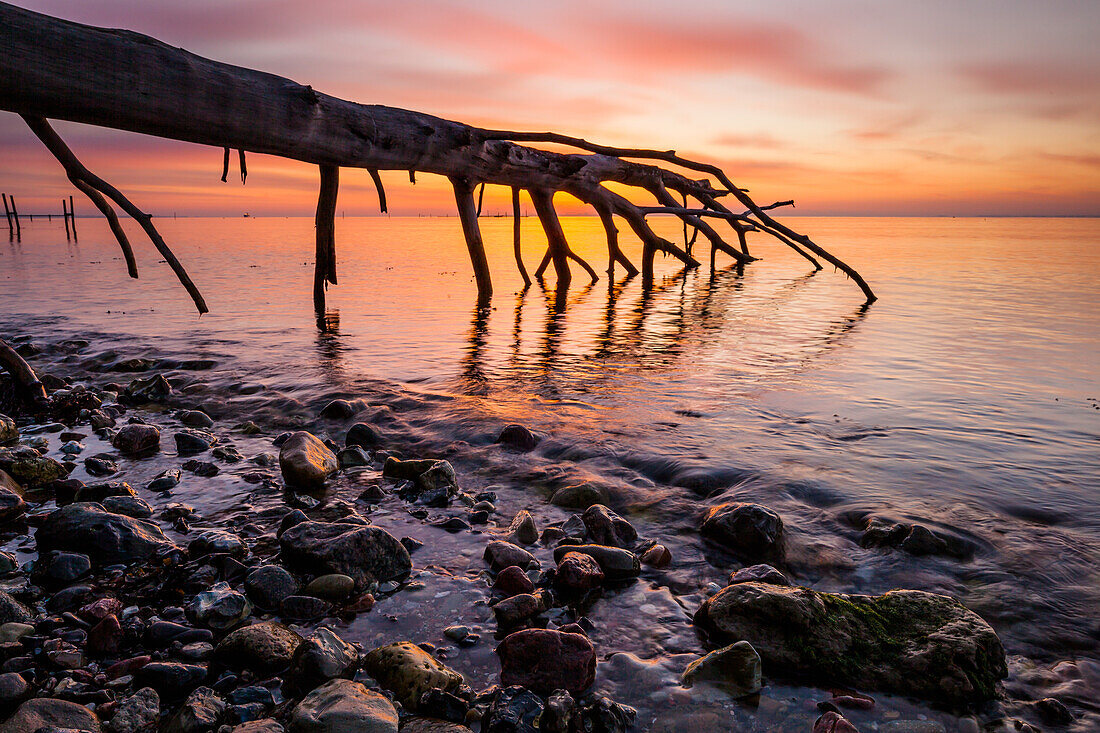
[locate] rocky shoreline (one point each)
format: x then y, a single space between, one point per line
107 623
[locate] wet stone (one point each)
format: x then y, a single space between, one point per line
500 555
321 657
136 439
512 580
580 496
200 713
605 527
736 668
363 435
195 419
269 585
615 562
517 437
343 706
333 587
46 713
305 461
408 671
304 608
171 680
265 648
364 553
165 480
131 506
105 537
751 530
100 466
353 457
578 573
513 710
759 574
204 469
522 530
545 660
220 608
217 542
191 441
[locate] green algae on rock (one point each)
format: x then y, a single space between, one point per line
906 641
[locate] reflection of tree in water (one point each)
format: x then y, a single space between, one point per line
658 331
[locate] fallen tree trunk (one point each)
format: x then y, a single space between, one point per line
57 69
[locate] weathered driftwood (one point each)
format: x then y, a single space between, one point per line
55 69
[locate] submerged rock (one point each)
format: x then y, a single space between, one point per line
735 667
580 496
408 672
518 437
751 530
545 660
366 554
107 538
343 706
910 642
305 461
363 435
190 441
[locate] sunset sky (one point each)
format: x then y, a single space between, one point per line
985 107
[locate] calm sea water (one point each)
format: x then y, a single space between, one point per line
965 398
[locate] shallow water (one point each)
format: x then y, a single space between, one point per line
965 399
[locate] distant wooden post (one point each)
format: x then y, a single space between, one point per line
65 217
15 215
7 215
72 215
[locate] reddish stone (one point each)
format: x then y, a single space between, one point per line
363 604
101 609
832 722
103 638
578 573
545 660
512 581
657 556
127 666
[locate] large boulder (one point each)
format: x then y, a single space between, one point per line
364 553
46 712
305 461
107 538
545 660
408 672
750 530
343 706
909 642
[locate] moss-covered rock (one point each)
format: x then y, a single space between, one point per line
910 642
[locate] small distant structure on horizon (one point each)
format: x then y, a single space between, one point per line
15 228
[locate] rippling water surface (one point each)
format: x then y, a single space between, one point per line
965 398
